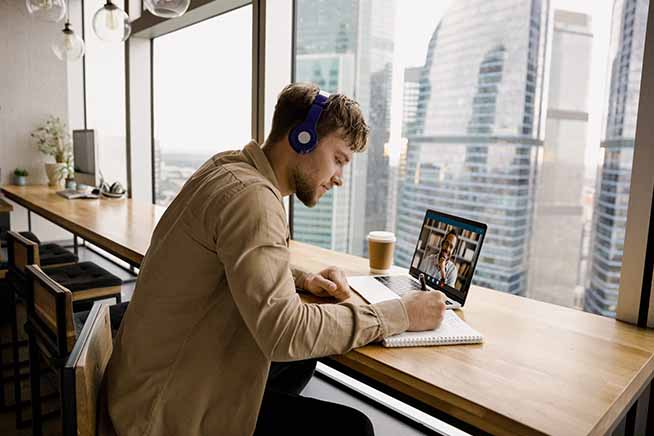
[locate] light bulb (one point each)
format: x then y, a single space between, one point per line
68 46
167 8
46 10
111 23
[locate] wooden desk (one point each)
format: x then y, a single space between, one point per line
543 369
121 227
5 221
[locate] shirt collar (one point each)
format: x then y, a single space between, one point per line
254 153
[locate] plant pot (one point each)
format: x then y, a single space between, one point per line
55 172
20 180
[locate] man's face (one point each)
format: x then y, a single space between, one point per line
318 172
447 246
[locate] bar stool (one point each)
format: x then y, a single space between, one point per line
52 332
53 329
86 281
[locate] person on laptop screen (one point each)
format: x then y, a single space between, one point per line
439 265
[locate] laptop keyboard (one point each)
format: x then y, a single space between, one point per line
398 284
402 284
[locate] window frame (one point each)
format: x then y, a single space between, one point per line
636 294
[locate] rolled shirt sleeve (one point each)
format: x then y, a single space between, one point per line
251 244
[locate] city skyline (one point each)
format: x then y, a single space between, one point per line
477 115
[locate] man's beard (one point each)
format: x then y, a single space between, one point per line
303 190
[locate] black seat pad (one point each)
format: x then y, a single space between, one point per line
82 276
116 313
53 254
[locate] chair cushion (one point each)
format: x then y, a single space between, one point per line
31 236
53 254
116 313
82 276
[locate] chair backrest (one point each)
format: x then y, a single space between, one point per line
21 252
84 371
50 312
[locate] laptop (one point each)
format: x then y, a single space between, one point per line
445 256
73 194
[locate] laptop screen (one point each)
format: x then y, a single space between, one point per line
446 253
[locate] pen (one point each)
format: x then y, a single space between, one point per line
423 282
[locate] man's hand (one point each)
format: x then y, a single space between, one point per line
441 266
425 309
330 282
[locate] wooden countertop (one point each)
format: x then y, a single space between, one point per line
543 369
122 227
4 206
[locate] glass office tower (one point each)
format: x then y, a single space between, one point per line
346 46
473 149
560 214
610 213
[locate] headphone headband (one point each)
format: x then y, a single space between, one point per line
304 137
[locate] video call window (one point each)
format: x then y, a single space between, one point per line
446 253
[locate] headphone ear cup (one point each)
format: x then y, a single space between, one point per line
303 138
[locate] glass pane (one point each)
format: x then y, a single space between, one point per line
202 96
517 113
105 97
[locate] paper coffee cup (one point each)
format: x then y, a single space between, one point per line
380 251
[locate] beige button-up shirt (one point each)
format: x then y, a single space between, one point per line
216 302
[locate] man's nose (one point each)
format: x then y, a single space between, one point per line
337 180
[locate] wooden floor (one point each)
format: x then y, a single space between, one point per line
385 424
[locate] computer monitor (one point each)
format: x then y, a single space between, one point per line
85 154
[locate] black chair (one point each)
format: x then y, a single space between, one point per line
86 280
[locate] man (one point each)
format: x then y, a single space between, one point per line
216 301
439 265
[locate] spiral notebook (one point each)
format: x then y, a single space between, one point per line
452 331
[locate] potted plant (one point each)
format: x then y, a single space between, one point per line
20 176
53 140
69 173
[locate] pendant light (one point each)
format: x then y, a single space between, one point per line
68 46
167 8
46 10
111 23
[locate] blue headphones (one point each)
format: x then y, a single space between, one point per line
304 137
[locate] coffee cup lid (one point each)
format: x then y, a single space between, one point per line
382 236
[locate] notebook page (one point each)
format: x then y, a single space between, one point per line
453 330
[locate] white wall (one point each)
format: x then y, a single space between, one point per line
33 85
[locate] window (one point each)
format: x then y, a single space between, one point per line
521 115
202 96
105 97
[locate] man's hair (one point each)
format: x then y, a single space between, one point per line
340 112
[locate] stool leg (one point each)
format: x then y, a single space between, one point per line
16 358
35 386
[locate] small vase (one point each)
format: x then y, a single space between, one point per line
55 172
20 180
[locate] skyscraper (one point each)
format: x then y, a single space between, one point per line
410 98
473 150
355 37
613 183
558 215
